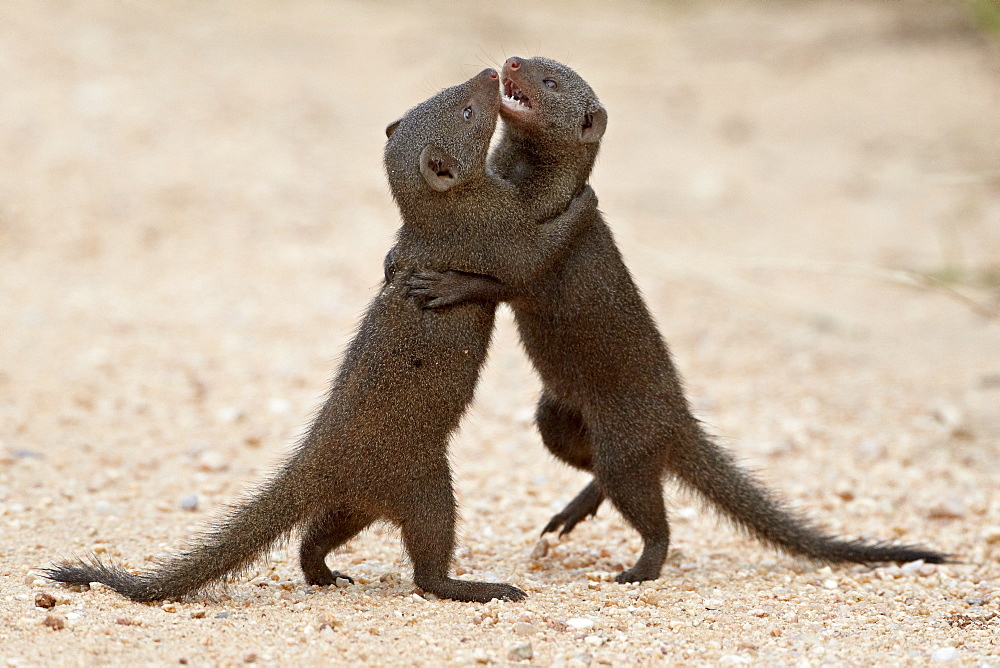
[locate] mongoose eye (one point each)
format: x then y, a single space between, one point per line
549 83
468 113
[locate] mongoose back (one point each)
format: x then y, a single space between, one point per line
612 402
377 450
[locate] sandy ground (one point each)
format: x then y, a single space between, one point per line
193 215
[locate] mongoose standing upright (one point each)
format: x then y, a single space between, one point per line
377 450
613 402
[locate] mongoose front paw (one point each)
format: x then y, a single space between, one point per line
432 289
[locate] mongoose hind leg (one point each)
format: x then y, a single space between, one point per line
584 505
566 436
637 492
325 533
429 535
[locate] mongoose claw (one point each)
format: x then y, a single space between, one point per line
435 289
568 519
328 578
584 505
420 287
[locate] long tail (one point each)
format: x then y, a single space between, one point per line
713 472
229 548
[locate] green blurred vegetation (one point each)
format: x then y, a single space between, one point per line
986 14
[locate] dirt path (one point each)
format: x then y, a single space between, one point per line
193 215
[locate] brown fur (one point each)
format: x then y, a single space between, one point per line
377 450
613 402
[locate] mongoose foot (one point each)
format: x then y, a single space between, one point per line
580 508
567 520
476 592
635 574
327 578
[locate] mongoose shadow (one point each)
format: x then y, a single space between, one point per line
377 450
613 402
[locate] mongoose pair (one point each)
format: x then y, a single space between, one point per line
613 403
377 450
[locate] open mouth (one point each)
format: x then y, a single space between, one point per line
513 98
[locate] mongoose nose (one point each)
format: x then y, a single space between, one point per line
513 62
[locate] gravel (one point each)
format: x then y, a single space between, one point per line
193 215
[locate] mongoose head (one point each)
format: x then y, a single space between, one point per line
551 103
441 144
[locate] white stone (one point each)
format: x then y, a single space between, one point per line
944 654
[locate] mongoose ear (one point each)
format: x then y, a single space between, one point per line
595 122
389 129
438 168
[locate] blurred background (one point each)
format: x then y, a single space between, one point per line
193 215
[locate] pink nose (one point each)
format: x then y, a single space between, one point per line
513 62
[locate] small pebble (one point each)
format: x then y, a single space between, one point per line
686 513
27 454
579 623
944 654
45 600
279 406
105 508
55 622
189 503
525 629
992 535
520 652
230 414
948 415
540 550
327 620
211 461
913 567
595 641
946 510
